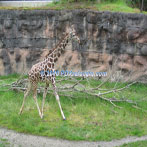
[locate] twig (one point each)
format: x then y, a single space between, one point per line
115 90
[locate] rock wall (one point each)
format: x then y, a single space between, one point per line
110 41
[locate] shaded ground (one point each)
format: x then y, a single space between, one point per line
19 139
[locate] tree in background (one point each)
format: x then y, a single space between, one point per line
141 4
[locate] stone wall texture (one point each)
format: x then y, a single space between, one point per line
110 41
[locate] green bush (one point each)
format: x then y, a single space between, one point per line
141 4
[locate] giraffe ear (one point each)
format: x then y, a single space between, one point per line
72 28
64 33
68 29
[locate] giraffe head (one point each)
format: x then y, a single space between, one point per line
73 35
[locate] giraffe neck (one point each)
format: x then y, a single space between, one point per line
59 49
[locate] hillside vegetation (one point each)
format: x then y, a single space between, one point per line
101 5
128 6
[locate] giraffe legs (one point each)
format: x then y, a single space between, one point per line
36 102
57 98
44 96
25 95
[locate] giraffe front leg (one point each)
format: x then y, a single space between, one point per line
58 99
44 96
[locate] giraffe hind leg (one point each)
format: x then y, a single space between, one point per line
25 95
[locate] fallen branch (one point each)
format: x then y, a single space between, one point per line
77 86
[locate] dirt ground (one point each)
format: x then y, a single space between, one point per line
25 140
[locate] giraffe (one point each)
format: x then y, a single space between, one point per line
47 65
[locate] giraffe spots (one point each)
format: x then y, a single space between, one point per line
64 45
40 77
36 74
60 45
35 78
54 55
55 59
53 65
51 60
43 77
59 54
45 67
61 49
46 73
50 51
49 65
44 62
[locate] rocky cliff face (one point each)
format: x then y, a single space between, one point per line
115 41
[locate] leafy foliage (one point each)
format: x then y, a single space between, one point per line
142 4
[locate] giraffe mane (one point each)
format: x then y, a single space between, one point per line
52 50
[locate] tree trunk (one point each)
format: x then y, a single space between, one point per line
142 4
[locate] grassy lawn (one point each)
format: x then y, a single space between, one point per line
136 144
117 6
87 118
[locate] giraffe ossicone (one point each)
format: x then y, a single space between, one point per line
46 66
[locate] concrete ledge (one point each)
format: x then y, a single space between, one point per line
25 3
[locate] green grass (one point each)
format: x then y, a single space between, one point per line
117 6
3 143
87 118
136 144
